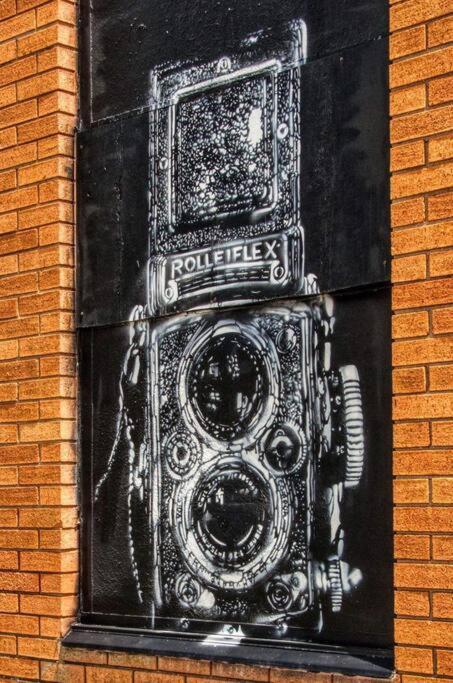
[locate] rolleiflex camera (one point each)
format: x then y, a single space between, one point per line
225 176
255 438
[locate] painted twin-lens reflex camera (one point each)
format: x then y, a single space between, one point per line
253 436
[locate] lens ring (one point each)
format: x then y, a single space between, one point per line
230 511
229 383
264 537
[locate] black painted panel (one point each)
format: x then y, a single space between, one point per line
341 207
133 416
123 41
112 217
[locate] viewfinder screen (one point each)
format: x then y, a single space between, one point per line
224 158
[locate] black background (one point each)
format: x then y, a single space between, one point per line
344 188
345 216
362 323
123 41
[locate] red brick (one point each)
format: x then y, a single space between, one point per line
408 212
427 65
46 474
45 38
7 95
440 148
60 56
414 659
41 215
414 352
445 662
188 666
46 561
15 666
408 268
408 380
13 27
46 344
405 100
412 547
440 31
20 495
16 199
13 156
423 518
425 576
48 518
18 623
410 491
426 179
7 180
412 12
421 462
425 237
13 538
46 604
19 581
442 491
56 10
442 547
286 676
45 126
8 645
7 8
412 603
441 377
443 605
132 661
74 654
407 42
37 647
423 406
64 584
421 632
414 324
98 675
440 206
8 137
17 455
411 434
420 124
440 90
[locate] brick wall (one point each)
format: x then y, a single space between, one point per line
38 541
38 517
422 241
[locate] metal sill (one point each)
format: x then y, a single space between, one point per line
373 662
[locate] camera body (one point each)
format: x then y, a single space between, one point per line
225 176
255 437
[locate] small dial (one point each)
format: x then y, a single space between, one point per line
182 454
187 590
279 594
285 449
286 339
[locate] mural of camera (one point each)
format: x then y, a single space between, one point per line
225 176
254 439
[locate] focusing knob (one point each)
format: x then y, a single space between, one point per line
335 586
353 424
